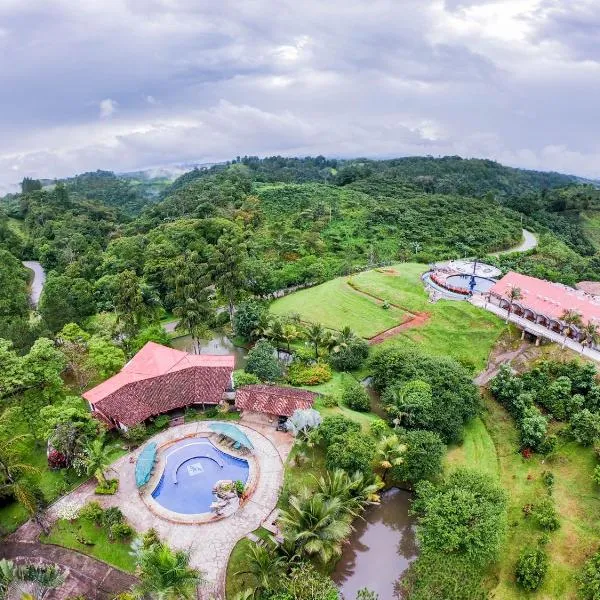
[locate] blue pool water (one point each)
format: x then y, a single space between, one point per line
192 467
482 284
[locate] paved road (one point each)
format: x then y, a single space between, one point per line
529 243
39 278
537 329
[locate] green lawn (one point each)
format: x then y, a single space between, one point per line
456 329
71 534
335 304
591 226
491 445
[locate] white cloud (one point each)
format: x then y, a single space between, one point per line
108 108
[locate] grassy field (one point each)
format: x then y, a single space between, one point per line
457 329
491 445
591 226
67 534
335 304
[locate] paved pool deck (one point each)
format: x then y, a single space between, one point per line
209 544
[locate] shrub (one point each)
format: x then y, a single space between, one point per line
241 378
92 511
69 511
351 356
136 435
263 362
304 355
378 428
121 531
108 488
585 427
464 515
111 516
589 578
301 374
160 422
354 452
548 479
596 475
306 583
56 460
533 428
355 396
329 401
422 459
556 396
336 426
531 568
149 538
545 515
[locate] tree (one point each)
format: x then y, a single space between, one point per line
251 320
356 491
134 303
103 357
390 453
264 565
591 335
355 396
316 525
348 353
304 582
66 300
153 333
533 428
353 452
336 426
585 427
589 578
193 315
513 293
263 362
165 574
227 267
422 459
289 334
315 334
531 568
464 515
95 459
571 318
413 400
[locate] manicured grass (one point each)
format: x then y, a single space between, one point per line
67 534
591 226
456 329
334 304
576 497
477 450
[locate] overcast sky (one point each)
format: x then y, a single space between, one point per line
126 84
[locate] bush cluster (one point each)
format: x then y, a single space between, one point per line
531 568
355 396
314 374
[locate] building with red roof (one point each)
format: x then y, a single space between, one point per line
158 380
273 400
545 303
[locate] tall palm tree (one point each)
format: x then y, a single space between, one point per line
193 314
264 565
355 491
390 453
571 318
276 333
317 525
513 293
96 458
591 335
166 574
315 334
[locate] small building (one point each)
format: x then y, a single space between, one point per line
545 303
158 380
263 403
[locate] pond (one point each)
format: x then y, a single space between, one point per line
380 549
219 344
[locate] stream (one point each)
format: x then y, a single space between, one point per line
380 549
37 283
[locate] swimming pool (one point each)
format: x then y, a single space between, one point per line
482 284
191 469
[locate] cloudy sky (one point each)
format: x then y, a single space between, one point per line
126 84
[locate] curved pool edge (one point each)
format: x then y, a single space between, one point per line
196 518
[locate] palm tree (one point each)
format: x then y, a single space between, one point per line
289 334
390 453
166 574
276 333
513 293
317 525
264 565
355 491
96 459
193 314
591 336
571 318
343 339
263 327
28 581
315 334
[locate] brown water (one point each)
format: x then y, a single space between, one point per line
380 549
219 344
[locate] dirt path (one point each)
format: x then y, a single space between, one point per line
496 362
417 320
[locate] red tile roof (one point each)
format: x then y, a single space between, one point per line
550 299
159 379
273 400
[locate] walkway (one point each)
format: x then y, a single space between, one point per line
37 283
86 576
536 329
211 543
529 243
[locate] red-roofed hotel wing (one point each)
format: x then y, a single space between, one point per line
157 380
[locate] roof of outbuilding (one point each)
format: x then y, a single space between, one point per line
159 379
273 400
547 298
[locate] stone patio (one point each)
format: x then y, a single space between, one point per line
209 544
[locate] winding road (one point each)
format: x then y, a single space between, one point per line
529 243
